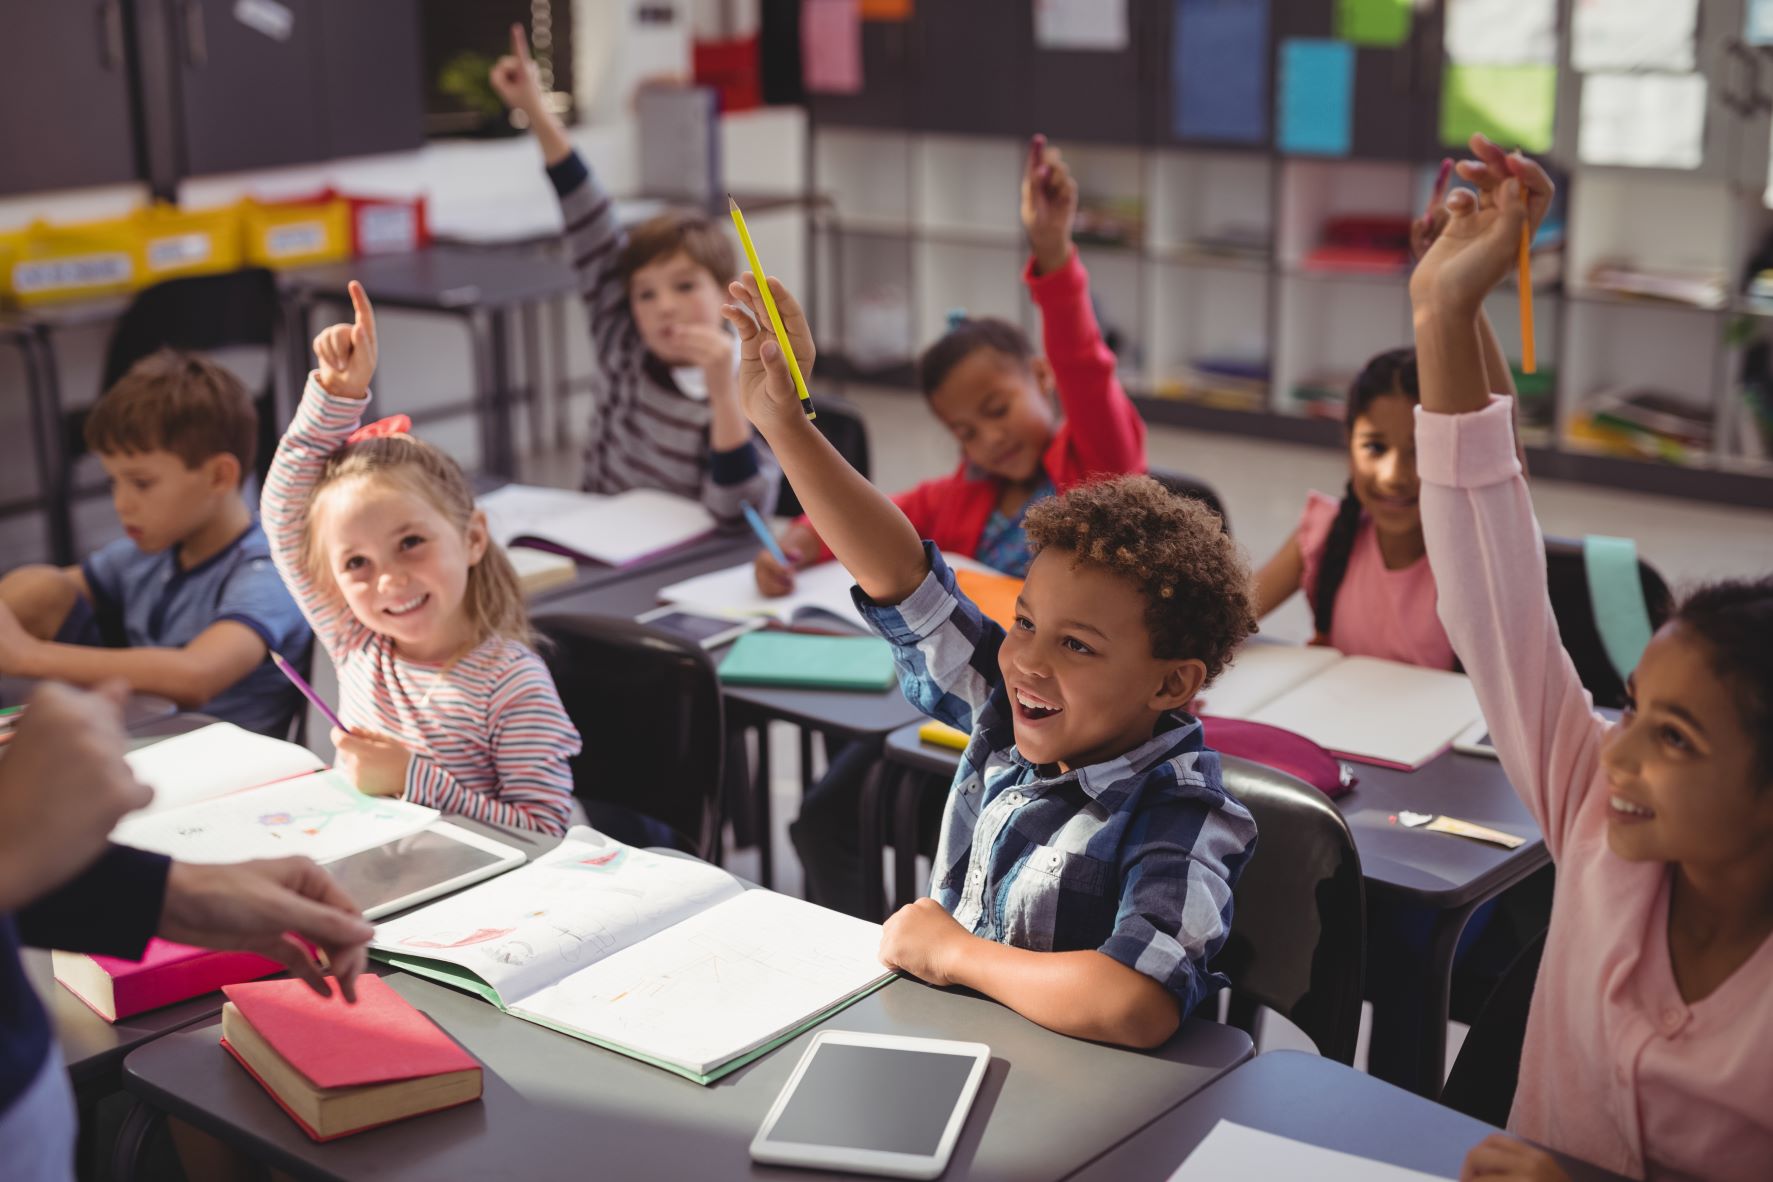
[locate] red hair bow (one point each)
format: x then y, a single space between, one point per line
382 428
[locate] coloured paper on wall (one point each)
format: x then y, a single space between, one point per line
1219 70
1373 22
1501 32
1316 108
1099 25
1643 120
1633 35
831 46
1514 105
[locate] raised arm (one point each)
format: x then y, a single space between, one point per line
332 407
865 530
1483 541
1104 426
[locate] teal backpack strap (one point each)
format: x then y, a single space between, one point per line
1616 593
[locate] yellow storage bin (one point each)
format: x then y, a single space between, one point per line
11 242
296 233
180 242
78 261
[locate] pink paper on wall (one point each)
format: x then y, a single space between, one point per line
831 46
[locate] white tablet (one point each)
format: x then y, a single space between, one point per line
873 1104
409 870
708 631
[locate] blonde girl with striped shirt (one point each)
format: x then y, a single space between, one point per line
377 536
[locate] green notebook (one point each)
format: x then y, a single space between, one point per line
796 660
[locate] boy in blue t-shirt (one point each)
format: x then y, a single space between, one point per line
187 605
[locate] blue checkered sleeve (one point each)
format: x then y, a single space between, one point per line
944 647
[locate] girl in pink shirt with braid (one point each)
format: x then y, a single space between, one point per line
1649 1046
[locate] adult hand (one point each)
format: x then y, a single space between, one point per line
270 907
63 786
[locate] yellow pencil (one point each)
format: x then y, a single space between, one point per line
1528 362
769 305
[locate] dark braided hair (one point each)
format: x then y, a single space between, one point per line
1735 618
965 336
1391 372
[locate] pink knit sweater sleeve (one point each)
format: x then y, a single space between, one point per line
1488 559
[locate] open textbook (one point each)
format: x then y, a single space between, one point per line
668 960
1359 708
821 594
614 530
223 794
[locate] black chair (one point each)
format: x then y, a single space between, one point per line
1199 490
1566 578
840 422
1484 1076
648 707
1298 931
205 312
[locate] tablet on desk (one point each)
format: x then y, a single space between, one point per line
708 631
873 1104
409 870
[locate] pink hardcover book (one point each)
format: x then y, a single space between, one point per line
166 974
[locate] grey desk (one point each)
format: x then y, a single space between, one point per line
1317 1101
558 1108
844 715
1452 876
483 288
139 711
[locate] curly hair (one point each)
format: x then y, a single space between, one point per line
1195 579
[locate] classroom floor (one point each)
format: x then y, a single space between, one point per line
1263 486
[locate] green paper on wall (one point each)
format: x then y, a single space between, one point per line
1373 22
1514 105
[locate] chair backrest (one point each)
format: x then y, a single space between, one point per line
1298 929
199 314
841 423
648 707
1566 578
1483 1078
1199 490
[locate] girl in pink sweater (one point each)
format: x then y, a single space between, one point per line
1647 1044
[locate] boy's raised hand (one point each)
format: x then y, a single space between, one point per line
1049 205
1480 241
765 385
347 352
514 77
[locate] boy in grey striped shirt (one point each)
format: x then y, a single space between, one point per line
667 413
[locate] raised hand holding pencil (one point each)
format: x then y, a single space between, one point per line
772 313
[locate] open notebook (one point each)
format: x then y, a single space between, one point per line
665 959
821 594
614 530
1358 707
223 794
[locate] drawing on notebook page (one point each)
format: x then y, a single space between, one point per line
455 939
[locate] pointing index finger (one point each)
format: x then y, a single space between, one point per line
366 315
520 43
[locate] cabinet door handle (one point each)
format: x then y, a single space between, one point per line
196 43
109 17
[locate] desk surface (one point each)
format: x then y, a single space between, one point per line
555 1107
832 711
1440 870
1317 1101
442 278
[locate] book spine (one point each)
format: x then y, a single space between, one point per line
150 989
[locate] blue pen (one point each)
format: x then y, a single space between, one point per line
765 536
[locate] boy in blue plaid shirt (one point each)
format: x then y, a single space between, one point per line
1088 849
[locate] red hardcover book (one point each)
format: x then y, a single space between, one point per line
166 974
338 1069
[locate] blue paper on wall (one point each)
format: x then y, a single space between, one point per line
1219 70
1316 96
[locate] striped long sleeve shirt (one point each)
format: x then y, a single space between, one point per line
489 737
1134 857
645 431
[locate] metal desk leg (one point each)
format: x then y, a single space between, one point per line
487 344
1443 944
562 369
876 790
907 801
530 322
760 811
37 350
